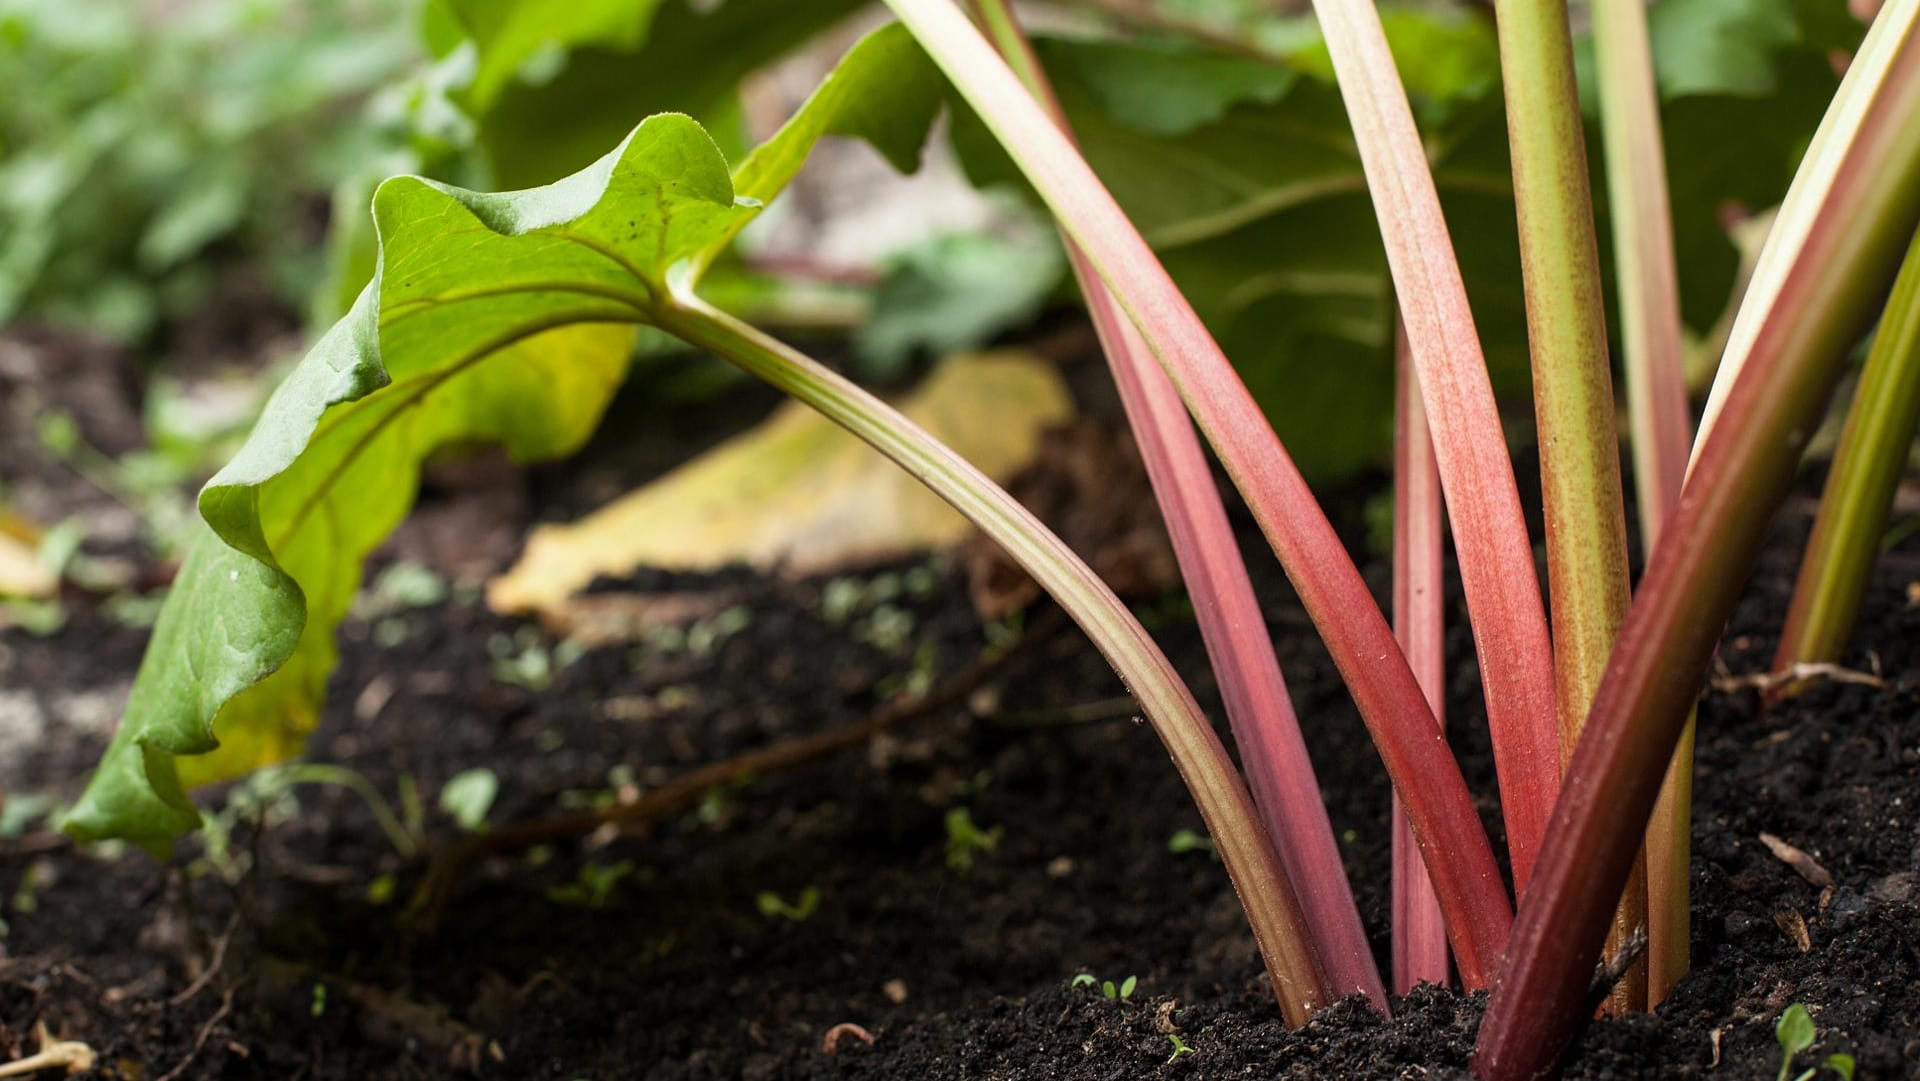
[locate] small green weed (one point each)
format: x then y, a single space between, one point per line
1795 1031
965 840
775 907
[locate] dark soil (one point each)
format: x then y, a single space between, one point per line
289 954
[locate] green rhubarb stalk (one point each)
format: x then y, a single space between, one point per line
1272 908
1854 202
1586 530
1415 754
1272 750
1654 356
1859 494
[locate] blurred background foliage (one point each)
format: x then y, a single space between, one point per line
144 145
147 146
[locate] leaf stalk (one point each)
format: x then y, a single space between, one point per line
1271 905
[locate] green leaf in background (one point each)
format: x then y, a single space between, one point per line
1243 175
132 144
953 292
1246 179
1761 69
511 36
501 318
691 60
1166 90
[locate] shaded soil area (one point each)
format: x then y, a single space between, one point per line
938 887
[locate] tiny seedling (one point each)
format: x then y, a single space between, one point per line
1795 1032
1185 841
888 628
775 907
267 798
965 840
524 660
594 885
708 634
468 796
1108 989
917 680
1179 1047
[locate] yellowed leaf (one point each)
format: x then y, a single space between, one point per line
23 574
798 493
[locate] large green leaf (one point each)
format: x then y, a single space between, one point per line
501 318
523 92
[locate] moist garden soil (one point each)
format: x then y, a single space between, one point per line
821 921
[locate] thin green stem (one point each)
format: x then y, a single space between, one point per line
1859 493
324 773
1586 531
1265 728
1271 906
1653 348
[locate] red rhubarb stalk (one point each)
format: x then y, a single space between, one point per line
1483 501
1272 751
1419 611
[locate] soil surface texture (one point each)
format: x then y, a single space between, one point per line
917 904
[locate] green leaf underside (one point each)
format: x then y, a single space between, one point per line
492 318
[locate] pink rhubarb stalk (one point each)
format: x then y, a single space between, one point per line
1390 700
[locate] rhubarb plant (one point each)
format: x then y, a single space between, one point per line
509 318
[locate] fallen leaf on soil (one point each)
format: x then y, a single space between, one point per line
1806 866
22 572
797 492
